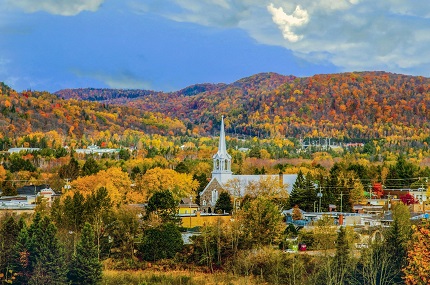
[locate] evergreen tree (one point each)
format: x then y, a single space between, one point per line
90 167
224 204
399 175
296 195
124 154
9 232
85 267
163 205
182 168
40 256
309 194
74 211
303 193
161 242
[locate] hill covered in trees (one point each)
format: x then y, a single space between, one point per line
346 105
360 105
31 111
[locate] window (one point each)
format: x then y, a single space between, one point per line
214 196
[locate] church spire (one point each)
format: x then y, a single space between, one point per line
222 160
222 149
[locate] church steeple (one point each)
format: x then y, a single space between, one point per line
222 160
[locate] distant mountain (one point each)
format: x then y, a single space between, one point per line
352 105
345 105
102 94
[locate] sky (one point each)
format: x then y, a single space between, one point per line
167 45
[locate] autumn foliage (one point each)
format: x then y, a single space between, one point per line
418 268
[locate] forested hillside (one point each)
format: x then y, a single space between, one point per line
346 105
359 105
32 111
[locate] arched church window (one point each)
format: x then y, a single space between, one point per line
214 196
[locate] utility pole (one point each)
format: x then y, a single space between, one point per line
191 199
341 195
319 195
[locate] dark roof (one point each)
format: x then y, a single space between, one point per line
30 190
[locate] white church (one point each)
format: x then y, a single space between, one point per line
223 178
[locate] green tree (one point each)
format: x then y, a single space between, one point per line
261 223
161 242
17 163
85 267
98 207
124 228
74 210
397 240
399 175
296 195
9 232
40 257
90 167
303 192
224 204
342 261
124 154
182 168
163 205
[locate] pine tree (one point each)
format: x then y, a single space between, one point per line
297 190
85 267
224 204
90 167
161 242
40 256
9 232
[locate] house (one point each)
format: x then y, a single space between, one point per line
223 179
187 207
19 149
94 149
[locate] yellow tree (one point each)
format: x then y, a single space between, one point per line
268 187
180 184
2 174
116 182
418 268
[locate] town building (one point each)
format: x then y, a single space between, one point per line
223 178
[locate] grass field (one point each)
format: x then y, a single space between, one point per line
150 277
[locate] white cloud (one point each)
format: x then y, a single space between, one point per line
287 23
58 7
387 35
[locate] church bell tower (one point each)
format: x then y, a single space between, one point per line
222 160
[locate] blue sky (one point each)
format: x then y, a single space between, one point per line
167 45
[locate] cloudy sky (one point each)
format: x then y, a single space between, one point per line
169 44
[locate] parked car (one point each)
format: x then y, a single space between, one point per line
302 247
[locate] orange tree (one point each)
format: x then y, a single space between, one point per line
418 266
